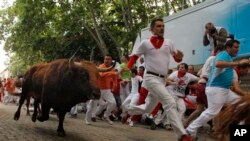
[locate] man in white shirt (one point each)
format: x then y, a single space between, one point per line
214 37
157 52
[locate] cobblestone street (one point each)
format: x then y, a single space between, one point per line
25 130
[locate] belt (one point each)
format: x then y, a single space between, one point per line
149 72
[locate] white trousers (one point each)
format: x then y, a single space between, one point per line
7 97
73 110
158 93
216 98
106 99
161 117
124 92
181 106
91 107
130 101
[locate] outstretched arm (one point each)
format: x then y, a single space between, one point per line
224 64
132 61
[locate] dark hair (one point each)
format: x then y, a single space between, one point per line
152 24
209 24
230 43
109 55
126 56
185 65
141 67
219 48
134 71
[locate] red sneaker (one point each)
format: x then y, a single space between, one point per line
187 138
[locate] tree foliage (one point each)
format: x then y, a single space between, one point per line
44 30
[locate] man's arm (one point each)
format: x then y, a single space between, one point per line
170 81
132 61
224 64
205 40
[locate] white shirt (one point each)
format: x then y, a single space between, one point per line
206 69
179 90
211 40
156 60
135 84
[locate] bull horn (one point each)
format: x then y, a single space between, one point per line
77 63
106 69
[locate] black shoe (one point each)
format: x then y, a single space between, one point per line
148 121
93 119
153 126
73 116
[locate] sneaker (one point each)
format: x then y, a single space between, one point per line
153 125
72 115
168 127
131 123
187 138
93 119
148 121
87 122
124 119
108 120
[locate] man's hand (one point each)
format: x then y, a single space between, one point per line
243 62
178 56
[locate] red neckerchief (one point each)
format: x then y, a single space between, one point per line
157 41
180 74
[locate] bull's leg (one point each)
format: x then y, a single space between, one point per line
44 115
27 106
36 105
60 130
21 101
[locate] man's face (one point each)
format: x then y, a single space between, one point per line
141 71
141 60
108 60
209 28
182 68
158 28
191 69
124 59
234 49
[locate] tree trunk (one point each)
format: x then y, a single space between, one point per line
102 44
117 45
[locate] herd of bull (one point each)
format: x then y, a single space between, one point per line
60 85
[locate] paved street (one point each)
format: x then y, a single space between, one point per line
25 130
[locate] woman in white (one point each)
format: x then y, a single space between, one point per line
133 97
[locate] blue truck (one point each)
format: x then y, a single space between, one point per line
186 28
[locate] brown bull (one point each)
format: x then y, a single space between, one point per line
60 85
